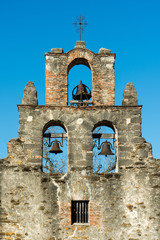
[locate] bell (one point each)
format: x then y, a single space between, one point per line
106 150
82 93
55 148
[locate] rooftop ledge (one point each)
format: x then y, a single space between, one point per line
79 107
81 46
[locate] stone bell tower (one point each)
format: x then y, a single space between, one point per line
79 169
58 65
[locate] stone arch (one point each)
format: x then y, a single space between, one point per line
104 135
104 123
86 72
55 134
78 61
85 58
54 123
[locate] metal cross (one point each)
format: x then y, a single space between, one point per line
80 24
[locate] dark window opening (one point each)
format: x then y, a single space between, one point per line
79 211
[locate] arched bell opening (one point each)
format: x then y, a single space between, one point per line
104 148
55 148
79 82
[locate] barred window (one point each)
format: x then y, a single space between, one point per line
79 211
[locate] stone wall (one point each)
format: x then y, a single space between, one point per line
122 205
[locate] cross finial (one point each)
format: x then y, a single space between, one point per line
80 24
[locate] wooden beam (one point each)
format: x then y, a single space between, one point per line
55 135
103 135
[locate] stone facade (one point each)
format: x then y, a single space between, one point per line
123 205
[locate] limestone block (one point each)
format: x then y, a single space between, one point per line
30 95
80 44
104 51
130 95
57 50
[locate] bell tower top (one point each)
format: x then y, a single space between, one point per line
58 65
80 44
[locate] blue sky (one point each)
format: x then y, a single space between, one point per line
131 29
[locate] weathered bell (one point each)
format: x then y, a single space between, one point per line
81 93
55 148
106 150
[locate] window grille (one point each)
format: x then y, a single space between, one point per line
79 211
